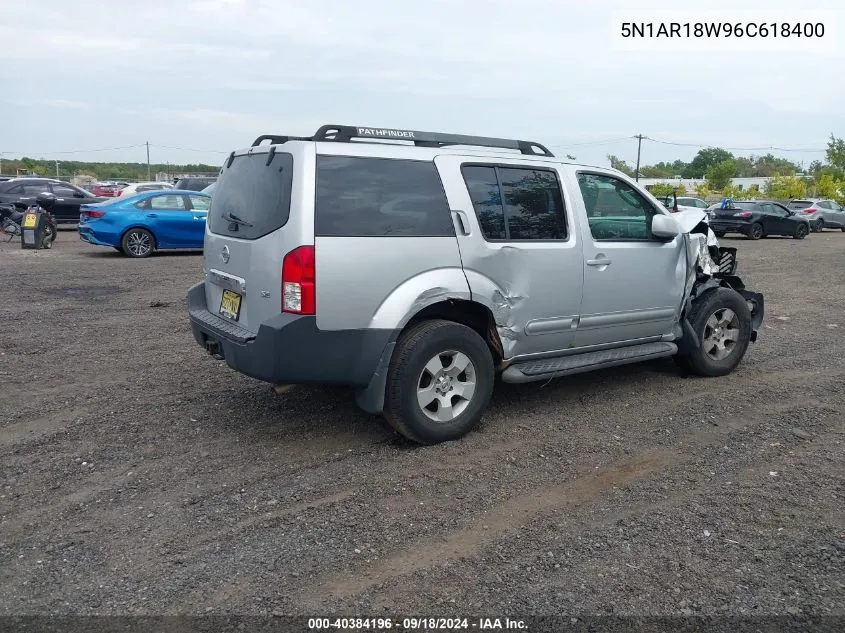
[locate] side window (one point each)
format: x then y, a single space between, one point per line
199 203
516 203
31 188
380 197
775 209
615 210
63 191
701 204
167 203
825 205
16 190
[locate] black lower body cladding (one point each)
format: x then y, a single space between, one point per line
289 348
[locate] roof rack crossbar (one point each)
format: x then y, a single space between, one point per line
345 133
278 140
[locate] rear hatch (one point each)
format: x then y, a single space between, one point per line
248 233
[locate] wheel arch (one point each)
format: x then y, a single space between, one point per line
472 314
139 226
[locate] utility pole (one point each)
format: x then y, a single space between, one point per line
57 170
148 161
639 138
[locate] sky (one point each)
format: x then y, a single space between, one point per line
199 78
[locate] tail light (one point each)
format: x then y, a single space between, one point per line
93 214
743 214
809 211
299 291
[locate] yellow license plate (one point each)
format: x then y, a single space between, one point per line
30 220
230 304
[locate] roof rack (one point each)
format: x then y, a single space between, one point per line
345 134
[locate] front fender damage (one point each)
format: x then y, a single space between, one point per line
710 266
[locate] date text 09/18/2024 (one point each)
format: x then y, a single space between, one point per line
378 624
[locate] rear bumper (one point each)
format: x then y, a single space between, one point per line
86 234
723 226
289 348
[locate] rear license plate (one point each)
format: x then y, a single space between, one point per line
230 305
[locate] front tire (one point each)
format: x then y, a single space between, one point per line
801 232
722 321
138 243
439 382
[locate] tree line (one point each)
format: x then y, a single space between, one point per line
100 171
823 179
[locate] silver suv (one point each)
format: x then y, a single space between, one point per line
822 214
415 267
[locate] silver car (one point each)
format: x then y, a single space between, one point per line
415 267
822 214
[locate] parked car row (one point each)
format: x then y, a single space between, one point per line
22 192
758 218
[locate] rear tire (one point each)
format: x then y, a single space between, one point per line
722 321
138 243
755 232
801 232
439 382
819 226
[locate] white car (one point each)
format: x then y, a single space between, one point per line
141 187
684 203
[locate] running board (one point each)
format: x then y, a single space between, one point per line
529 371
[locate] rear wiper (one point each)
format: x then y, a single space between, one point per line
229 217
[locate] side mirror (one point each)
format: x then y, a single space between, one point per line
665 226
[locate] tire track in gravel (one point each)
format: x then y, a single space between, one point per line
510 515
751 475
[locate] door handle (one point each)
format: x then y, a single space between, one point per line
152 215
60 199
463 222
601 261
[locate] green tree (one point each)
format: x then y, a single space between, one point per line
661 190
815 167
704 160
786 187
828 187
719 175
702 190
835 153
620 165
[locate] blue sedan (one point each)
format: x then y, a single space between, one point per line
142 224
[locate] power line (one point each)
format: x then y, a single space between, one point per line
587 143
77 151
738 149
190 149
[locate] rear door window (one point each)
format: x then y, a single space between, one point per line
378 197
516 203
252 196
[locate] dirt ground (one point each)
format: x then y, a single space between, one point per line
141 476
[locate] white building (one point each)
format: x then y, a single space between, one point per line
690 183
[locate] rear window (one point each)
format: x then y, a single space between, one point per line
252 198
379 197
800 204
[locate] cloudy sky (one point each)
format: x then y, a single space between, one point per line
200 77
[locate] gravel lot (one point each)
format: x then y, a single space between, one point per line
141 476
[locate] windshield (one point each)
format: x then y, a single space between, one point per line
252 197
